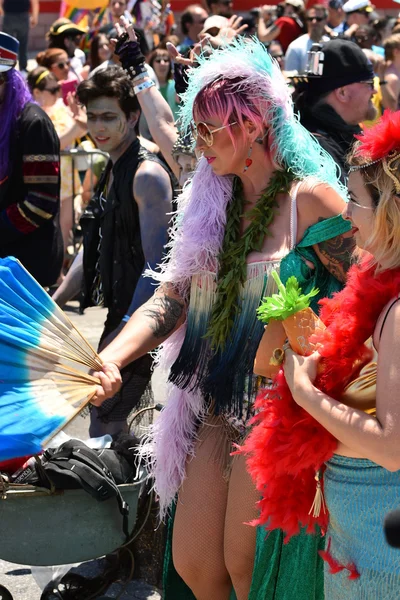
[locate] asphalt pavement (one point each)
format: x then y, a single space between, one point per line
18 579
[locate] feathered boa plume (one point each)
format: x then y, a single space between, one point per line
287 446
198 230
381 139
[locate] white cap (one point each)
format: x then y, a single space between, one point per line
353 5
214 22
296 3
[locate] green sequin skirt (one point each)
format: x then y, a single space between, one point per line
292 571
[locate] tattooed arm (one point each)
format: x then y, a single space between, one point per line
147 328
336 254
318 203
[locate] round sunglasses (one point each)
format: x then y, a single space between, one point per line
203 130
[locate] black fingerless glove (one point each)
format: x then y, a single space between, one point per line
130 55
180 77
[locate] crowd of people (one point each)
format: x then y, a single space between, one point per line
273 139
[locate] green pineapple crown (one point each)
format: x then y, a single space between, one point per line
286 303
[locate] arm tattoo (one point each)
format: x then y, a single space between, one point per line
336 255
166 313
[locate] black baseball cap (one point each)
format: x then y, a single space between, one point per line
340 62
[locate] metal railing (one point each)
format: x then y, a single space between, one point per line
82 163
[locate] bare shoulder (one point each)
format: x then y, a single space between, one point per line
388 323
316 201
151 178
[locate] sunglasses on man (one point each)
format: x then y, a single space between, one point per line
318 19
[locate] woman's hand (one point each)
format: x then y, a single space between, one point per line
300 372
111 381
382 68
78 113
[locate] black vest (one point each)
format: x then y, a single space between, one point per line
121 259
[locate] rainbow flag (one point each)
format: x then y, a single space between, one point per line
86 13
78 10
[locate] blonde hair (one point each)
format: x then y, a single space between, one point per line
390 44
385 236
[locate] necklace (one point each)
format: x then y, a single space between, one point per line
235 249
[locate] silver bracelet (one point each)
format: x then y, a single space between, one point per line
143 86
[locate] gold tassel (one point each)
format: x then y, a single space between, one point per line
277 358
318 498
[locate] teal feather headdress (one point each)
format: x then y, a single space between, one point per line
292 145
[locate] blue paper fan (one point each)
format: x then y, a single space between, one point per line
44 364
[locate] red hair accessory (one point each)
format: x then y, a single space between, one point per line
381 143
381 139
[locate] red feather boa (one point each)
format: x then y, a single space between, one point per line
287 446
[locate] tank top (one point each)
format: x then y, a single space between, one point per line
225 377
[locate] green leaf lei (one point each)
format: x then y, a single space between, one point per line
235 249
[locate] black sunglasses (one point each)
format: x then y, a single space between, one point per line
318 19
62 65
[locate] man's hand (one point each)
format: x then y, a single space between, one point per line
33 21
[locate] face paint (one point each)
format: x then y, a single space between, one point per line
108 125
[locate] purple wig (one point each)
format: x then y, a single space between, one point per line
16 96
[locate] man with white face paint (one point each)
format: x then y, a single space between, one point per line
125 229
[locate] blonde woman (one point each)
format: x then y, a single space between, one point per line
362 351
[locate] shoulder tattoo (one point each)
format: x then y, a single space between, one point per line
337 253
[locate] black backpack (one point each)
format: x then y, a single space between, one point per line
74 466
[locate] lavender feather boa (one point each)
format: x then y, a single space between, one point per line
195 241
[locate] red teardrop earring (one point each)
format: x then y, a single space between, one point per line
248 162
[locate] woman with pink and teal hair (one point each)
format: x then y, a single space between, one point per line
264 196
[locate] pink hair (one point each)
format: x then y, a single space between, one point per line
229 102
